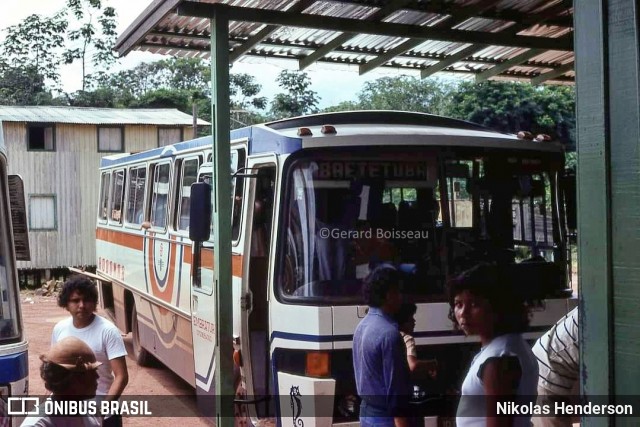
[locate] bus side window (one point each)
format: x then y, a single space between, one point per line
188 175
117 196
105 179
160 195
238 158
135 195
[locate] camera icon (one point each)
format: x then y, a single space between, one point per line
23 405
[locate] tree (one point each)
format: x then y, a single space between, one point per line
405 93
165 98
511 107
97 32
23 86
298 100
401 93
36 45
244 91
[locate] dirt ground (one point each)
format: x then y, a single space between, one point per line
41 313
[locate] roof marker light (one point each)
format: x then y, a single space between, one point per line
328 129
304 132
543 137
523 134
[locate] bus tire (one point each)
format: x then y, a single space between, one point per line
142 356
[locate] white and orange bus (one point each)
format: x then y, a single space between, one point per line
317 201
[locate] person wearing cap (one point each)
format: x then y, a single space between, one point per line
79 297
69 371
379 359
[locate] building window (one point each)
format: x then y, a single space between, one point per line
42 212
41 137
168 136
110 139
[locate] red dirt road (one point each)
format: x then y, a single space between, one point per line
40 314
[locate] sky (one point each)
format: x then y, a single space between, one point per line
333 83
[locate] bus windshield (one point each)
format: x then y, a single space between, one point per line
431 214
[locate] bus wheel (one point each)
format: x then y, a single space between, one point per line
142 356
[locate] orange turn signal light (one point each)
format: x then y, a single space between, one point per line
304 132
317 364
328 129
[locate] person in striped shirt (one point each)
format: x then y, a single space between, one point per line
557 352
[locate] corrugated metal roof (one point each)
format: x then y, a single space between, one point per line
97 116
521 39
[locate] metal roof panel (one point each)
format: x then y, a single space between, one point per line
488 31
96 116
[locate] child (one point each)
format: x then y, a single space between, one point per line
406 325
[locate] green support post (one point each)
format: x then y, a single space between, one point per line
221 198
594 186
608 93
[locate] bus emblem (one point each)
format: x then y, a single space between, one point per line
296 406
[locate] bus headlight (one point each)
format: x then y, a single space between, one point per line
317 364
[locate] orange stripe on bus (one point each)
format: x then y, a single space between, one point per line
207 260
119 238
136 242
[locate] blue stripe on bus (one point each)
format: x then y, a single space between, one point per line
289 336
13 367
309 338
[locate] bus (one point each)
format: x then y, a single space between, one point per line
317 201
14 245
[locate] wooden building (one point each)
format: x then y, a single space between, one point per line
57 152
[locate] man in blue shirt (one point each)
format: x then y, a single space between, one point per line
379 359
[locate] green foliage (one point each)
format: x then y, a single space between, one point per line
405 93
101 98
299 99
36 44
401 93
511 107
23 86
344 106
164 98
96 32
244 91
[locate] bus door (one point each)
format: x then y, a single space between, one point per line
203 297
255 292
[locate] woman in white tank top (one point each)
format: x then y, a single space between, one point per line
503 376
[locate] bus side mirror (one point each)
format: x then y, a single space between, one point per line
570 199
200 212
